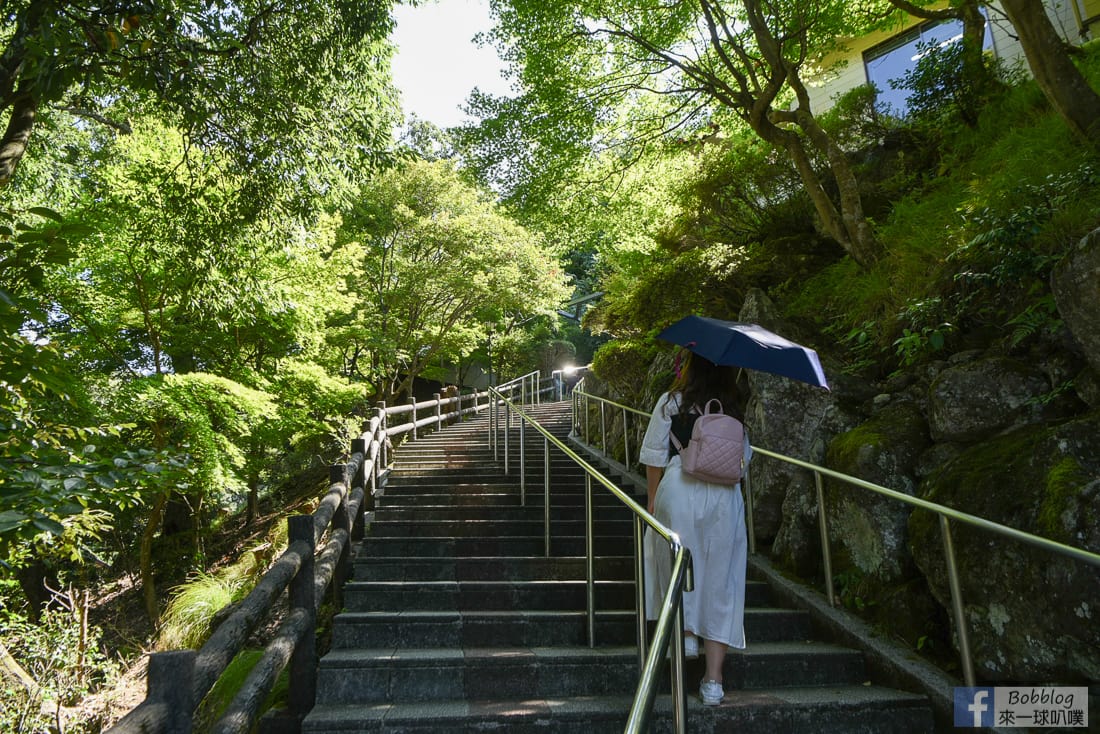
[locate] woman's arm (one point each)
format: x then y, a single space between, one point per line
653 478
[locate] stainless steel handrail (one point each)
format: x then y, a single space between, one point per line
946 516
670 626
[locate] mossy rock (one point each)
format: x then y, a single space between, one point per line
1032 614
867 530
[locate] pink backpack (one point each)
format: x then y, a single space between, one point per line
716 448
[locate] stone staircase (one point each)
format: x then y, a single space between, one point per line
455 621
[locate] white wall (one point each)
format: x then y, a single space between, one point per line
850 72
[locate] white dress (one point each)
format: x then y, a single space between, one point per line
710 520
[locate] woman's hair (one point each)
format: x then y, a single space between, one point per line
699 380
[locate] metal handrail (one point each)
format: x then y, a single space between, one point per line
178 680
946 516
670 623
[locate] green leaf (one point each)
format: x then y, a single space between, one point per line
47 213
49 525
10 519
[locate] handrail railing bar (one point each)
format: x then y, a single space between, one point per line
546 496
945 514
746 489
961 626
640 591
522 465
603 428
953 514
626 440
589 561
669 629
823 526
681 581
958 515
339 513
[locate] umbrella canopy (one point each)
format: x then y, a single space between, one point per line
753 347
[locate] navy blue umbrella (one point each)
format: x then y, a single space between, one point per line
753 347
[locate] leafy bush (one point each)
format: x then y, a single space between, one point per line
624 364
64 657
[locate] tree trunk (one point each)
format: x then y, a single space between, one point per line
17 136
1061 81
148 580
10 669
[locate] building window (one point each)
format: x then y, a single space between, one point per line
893 59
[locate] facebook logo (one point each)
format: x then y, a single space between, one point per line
974 707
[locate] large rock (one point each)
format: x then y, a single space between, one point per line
974 400
796 420
869 530
1033 615
1076 286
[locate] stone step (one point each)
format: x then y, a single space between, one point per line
524 628
488 568
369 596
504 545
500 495
868 709
506 512
473 631
364 675
534 491
528 628
468 528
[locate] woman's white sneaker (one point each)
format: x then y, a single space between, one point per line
711 692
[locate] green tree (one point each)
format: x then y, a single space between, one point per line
589 63
439 264
1061 81
235 74
183 270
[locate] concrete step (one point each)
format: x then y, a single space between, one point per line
488 568
369 596
366 675
475 631
523 628
469 528
864 709
504 545
528 628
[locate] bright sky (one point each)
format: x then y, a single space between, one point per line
438 64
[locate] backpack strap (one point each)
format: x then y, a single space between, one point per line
680 430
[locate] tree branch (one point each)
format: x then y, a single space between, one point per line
120 125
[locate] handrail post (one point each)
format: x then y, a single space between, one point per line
957 603
586 419
748 510
589 560
412 404
522 461
507 430
546 495
640 589
303 661
603 427
823 525
360 446
538 387
383 458
341 520
169 680
438 412
626 440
